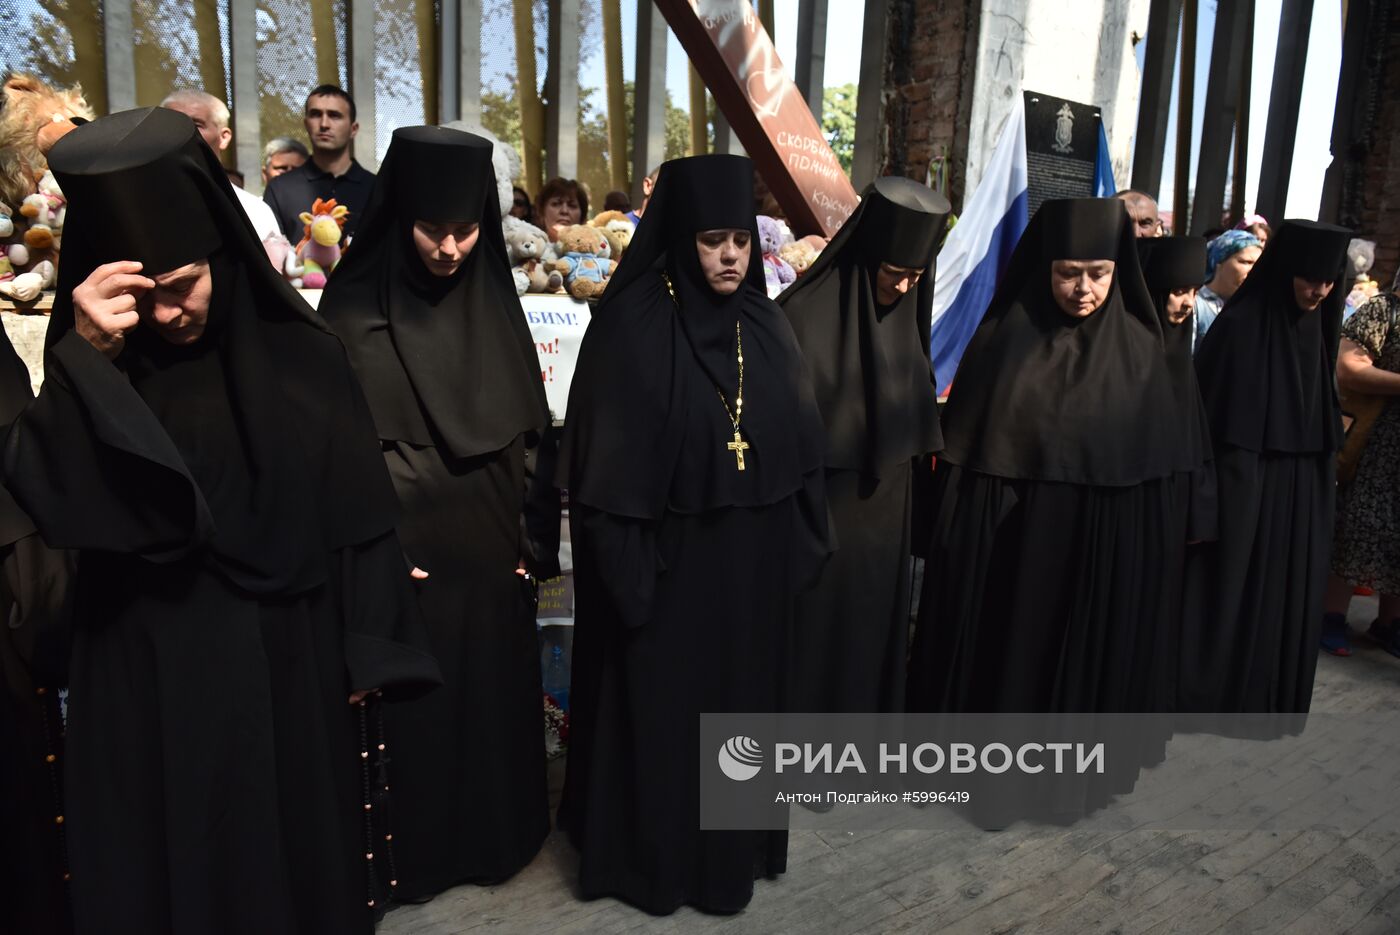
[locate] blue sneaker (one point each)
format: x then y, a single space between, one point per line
1335 636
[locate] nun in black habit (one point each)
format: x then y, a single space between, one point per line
35 604
1053 524
862 316
693 459
1173 268
1254 598
425 304
201 441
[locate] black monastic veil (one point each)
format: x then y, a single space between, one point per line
685 567
452 379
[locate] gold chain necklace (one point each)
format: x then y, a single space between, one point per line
738 445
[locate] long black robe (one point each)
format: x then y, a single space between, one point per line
1053 517
685 568
451 375
876 390
35 602
239 574
1172 263
1254 598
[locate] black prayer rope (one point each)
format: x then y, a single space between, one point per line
369 818
50 715
383 798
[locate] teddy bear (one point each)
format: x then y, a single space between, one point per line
777 273
45 210
27 286
533 272
585 262
800 255
617 229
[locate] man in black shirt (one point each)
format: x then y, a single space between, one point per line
331 172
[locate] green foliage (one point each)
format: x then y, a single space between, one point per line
838 120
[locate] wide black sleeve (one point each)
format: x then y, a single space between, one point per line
618 555
93 468
386 641
539 522
1202 520
36 593
921 499
814 539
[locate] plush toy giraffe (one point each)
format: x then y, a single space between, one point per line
319 250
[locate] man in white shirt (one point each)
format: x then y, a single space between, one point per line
211 116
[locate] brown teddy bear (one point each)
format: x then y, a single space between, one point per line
585 262
617 229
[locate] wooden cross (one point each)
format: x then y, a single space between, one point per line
738 446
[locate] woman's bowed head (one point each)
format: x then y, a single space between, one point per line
1080 286
444 246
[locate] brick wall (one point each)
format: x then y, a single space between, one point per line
1371 199
928 85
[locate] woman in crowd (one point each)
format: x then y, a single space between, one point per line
693 460
862 316
1366 547
1172 268
561 202
425 305
1229 258
1053 526
1265 371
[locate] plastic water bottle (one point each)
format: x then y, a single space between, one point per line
556 677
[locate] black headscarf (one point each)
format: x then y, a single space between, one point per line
273 475
1177 263
445 361
1266 366
870 363
650 366
1043 396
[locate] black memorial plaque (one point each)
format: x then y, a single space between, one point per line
1062 144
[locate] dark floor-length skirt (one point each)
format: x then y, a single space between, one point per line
851 641
1042 597
470 798
1254 598
1046 599
713 637
213 766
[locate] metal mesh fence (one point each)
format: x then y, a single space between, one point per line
301 43
405 66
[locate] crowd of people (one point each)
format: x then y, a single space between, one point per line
284 560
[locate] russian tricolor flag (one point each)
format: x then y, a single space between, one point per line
978 248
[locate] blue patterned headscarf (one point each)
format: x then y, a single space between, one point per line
1225 246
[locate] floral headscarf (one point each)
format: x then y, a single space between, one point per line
1225 246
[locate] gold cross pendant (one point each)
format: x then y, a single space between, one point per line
738 446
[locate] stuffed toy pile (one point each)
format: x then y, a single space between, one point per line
33 117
